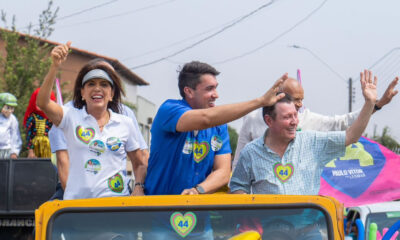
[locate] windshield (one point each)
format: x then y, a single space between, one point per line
382 220
194 223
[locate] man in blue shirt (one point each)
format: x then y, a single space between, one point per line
190 152
284 161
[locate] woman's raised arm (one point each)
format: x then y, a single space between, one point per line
53 111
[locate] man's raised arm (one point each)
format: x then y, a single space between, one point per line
368 86
205 118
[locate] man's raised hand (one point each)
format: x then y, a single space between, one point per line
271 97
389 93
368 86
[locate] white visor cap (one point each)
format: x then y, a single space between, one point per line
97 73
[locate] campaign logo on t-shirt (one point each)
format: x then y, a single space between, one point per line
97 147
113 143
84 134
116 183
92 166
188 147
216 143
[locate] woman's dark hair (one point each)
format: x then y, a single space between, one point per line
99 63
190 75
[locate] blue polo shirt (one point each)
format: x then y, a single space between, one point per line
181 160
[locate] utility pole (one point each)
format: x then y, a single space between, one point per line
351 94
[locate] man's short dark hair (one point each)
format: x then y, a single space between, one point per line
190 75
270 110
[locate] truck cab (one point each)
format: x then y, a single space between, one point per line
216 216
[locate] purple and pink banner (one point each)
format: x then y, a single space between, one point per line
368 173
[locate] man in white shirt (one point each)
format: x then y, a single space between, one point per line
254 126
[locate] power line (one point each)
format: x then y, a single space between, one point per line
380 59
321 60
77 13
178 42
86 10
381 67
274 39
206 38
119 14
384 56
391 71
387 66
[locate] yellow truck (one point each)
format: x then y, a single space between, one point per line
216 216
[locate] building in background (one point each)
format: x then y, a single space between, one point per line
146 111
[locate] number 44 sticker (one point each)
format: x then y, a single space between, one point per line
183 224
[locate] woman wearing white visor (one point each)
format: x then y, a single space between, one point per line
98 137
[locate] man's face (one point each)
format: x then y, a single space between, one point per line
7 110
298 96
205 94
285 123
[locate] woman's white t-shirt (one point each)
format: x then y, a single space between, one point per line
97 159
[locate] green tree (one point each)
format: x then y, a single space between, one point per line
233 138
26 59
387 140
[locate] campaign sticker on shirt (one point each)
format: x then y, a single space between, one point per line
283 172
97 147
92 166
216 143
116 183
188 147
84 134
113 143
200 150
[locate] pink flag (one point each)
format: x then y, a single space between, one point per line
299 79
299 76
58 92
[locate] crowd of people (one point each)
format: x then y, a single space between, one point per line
281 150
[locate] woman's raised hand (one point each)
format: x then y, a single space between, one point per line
59 54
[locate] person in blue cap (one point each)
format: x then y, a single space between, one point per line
10 138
